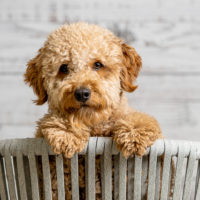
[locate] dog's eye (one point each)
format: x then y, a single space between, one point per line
64 69
98 65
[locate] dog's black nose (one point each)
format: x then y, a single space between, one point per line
82 94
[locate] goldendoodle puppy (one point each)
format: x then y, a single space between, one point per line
82 71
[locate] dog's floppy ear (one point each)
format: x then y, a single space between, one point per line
132 64
33 76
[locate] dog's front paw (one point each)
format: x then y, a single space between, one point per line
135 132
66 144
128 142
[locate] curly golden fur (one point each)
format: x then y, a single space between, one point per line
70 122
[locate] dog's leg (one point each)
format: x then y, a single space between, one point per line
134 132
62 136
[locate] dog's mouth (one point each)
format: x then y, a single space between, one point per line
84 105
75 109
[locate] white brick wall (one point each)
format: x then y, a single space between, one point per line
165 33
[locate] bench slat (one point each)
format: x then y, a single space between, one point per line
90 170
166 171
189 173
137 178
21 176
152 173
75 177
122 176
106 171
60 177
3 188
46 173
34 176
10 176
178 176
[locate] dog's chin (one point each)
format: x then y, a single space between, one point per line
88 113
92 107
84 107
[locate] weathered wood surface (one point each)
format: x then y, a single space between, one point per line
165 33
184 154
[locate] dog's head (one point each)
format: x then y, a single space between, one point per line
83 68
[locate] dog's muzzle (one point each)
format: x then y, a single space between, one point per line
82 94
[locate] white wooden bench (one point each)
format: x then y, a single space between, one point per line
149 174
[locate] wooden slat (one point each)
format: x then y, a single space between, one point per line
30 166
21 176
24 106
46 173
106 170
197 195
189 174
122 176
145 90
197 183
34 177
178 176
152 173
75 177
3 188
116 177
90 169
60 177
27 176
22 131
17 184
130 12
166 171
100 145
137 178
10 176
130 183
145 161
158 177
